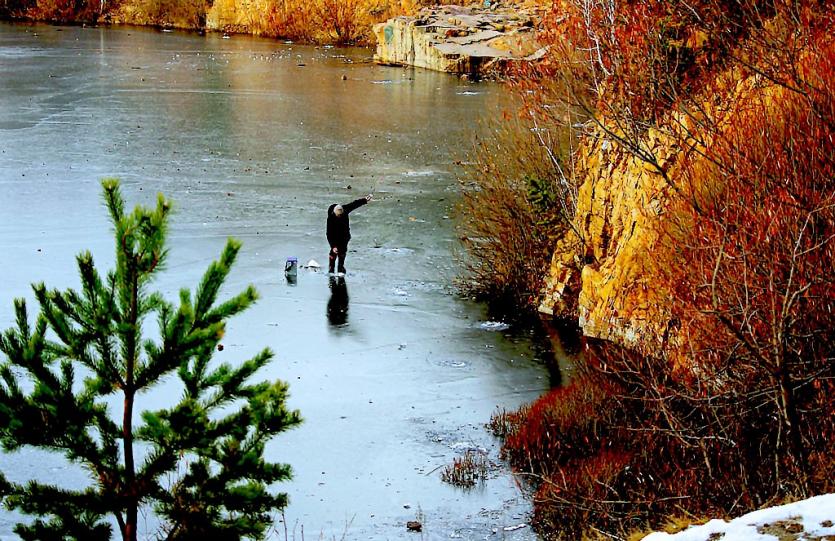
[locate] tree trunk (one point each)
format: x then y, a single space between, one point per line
127 419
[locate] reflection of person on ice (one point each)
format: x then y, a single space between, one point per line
339 231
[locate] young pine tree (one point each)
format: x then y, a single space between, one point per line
200 464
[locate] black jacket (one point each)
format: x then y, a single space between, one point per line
339 228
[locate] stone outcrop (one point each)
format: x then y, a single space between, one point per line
457 39
609 271
604 271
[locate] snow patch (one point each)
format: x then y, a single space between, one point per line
816 516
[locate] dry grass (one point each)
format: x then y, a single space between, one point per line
467 470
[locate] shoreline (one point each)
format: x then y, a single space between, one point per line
172 28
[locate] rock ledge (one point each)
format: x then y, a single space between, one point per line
459 39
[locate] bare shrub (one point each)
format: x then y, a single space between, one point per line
513 208
628 444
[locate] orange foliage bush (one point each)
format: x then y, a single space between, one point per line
336 21
757 302
314 21
61 11
330 21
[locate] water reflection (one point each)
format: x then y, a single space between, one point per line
338 303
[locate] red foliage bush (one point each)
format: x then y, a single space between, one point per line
642 56
562 425
628 444
582 492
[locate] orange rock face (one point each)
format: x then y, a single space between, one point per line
604 272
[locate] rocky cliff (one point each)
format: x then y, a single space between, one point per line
608 271
458 39
603 271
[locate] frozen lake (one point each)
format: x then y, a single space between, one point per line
393 373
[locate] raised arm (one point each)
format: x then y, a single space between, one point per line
356 203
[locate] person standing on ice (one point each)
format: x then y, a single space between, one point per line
339 231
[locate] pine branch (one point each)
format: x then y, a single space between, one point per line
213 278
76 514
113 198
233 306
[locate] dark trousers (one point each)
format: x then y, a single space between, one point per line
341 252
